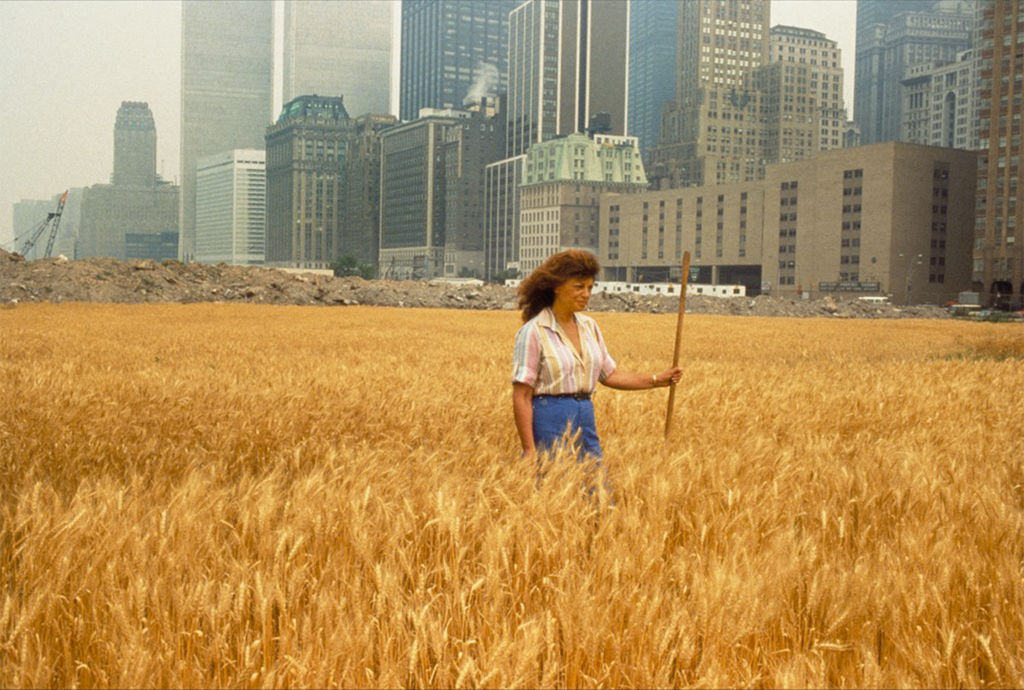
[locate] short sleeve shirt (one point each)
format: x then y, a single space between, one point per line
546 359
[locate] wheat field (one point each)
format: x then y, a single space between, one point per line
252 496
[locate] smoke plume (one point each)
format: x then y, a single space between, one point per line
485 81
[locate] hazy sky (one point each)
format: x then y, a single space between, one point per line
68 64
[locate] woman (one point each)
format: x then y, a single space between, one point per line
560 357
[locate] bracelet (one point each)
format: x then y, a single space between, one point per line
654 379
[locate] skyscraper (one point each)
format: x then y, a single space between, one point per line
872 18
452 49
306 150
567 64
136 215
567 74
359 235
998 257
652 66
339 48
430 197
892 37
134 145
712 134
226 89
940 103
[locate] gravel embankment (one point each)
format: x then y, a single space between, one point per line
109 280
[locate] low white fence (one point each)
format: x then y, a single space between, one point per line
617 287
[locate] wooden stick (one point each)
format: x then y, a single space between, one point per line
679 339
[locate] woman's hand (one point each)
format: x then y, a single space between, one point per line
668 377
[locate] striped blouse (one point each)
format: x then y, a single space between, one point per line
546 359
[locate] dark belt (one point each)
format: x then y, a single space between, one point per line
574 396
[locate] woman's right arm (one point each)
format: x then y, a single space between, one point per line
522 410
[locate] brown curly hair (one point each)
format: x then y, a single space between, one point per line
537 291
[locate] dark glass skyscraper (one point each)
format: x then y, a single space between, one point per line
652 65
452 49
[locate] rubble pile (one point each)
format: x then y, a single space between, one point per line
108 280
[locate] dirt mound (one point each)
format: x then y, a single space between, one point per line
109 280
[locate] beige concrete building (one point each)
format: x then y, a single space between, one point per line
890 219
642 237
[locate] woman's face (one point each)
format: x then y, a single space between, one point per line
574 294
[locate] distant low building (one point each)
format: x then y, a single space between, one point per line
129 222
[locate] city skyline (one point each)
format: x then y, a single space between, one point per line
71 64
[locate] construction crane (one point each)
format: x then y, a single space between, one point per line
53 222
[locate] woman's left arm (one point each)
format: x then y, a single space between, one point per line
624 380
631 381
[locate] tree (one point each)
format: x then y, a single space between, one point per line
348 265
507 274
